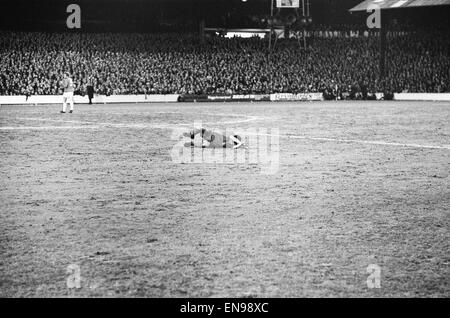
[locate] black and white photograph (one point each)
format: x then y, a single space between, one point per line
224 154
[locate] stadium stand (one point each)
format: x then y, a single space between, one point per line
341 66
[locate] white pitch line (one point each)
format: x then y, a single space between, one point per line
95 124
143 126
249 119
356 141
372 142
60 121
49 127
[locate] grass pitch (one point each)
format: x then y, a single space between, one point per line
358 183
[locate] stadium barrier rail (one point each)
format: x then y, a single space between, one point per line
103 99
422 97
224 98
219 98
252 97
296 97
98 99
192 98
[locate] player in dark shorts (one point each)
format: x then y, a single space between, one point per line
213 139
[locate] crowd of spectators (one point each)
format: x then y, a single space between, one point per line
33 64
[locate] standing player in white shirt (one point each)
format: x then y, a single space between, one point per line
69 87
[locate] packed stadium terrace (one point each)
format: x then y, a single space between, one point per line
33 64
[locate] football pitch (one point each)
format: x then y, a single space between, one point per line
358 205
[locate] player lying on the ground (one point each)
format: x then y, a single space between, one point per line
213 139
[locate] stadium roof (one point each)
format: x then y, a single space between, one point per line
396 4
